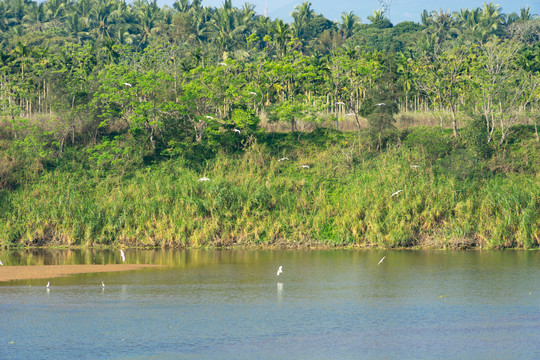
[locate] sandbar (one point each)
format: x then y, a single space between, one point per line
9 273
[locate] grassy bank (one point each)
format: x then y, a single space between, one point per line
451 196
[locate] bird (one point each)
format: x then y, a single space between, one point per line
340 103
380 104
280 270
222 64
415 166
1 263
48 284
236 130
253 93
127 84
380 261
305 166
102 284
122 255
397 192
209 117
203 179
350 114
283 159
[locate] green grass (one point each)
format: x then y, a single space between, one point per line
343 199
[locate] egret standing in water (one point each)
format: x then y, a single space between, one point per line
102 284
380 261
122 255
48 284
280 270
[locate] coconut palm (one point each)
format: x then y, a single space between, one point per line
36 17
282 34
349 24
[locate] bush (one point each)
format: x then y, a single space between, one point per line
433 141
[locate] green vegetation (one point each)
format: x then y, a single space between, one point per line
110 113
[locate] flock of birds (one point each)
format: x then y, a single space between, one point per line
204 178
122 255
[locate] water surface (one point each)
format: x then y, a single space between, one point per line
335 304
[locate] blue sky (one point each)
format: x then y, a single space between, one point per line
400 10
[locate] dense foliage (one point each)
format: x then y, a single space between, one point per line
110 112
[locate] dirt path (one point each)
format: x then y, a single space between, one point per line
8 273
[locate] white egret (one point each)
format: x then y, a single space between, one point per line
48 284
102 284
305 166
1 263
397 192
350 114
237 131
380 261
283 159
122 255
209 117
222 64
380 104
203 179
253 93
280 270
127 84
340 103
415 166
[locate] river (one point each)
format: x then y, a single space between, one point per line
230 304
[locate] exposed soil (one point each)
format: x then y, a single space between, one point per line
8 273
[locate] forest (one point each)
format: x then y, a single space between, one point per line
314 132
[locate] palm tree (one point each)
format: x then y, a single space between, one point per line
149 15
36 17
349 24
491 20
378 15
442 25
302 15
101 18
282 34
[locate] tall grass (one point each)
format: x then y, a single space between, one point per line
344 198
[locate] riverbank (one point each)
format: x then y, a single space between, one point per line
413 188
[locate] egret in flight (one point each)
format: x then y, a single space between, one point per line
380 104
283 159
415 166
397 192
305 166
203 179
350 114
237 130
380 261
209 117
253 93
280 270
340 103
127 84
222 64
122 255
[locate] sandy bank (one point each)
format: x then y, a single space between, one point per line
8 273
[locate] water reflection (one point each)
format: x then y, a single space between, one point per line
280 291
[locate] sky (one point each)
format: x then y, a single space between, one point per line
400 10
